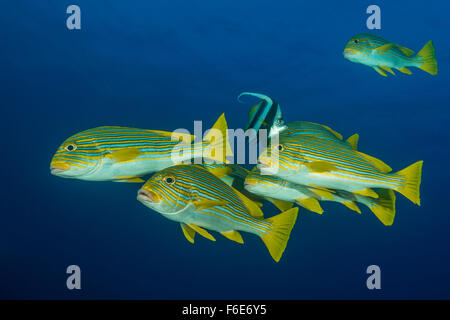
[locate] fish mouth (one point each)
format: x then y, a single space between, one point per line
348 53
148 196
57 168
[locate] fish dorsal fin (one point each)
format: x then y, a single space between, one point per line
253 209
336 134
408 52
185 136
353 141
311 204
188 232
320 166
129 180
385 68
206 204
202 232
367 192
377 163
322 193
384 48
126 154
380 71
351 205
280 204
405 70
220 171
233 235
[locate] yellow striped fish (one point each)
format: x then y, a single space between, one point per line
332 163
125 154
198 199
269 186
383 56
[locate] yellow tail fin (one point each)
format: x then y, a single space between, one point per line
276 239
413 176
384 208
218 141
427 54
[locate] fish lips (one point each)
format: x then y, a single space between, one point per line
148 196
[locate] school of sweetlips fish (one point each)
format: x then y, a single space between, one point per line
305 164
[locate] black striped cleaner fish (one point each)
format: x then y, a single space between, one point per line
332 163
198 199
383 56
124 154
308 197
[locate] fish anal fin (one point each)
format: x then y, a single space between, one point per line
405 70
384 209
377 163
201 232
385 68
380 71
233 235
188 232
367 192
281 204
322 193
351 205
311 204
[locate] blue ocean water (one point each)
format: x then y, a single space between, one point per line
162 65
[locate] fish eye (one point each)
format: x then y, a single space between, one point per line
71 147
279 147
169 180
355 41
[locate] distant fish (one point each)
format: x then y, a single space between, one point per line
266 114
331 163
383 56
197 199
269 186
125 154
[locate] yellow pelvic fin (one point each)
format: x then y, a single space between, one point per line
353 141
377 163
322 193
406 51
218 141
427 54
253 208
337 134
405 70
233 235
385 68
188 232
367 192
311 204
205 204
202 232
384 48
384 209
281 226
320 166
380 71
129 180
280 204
351 205
413 177
126 154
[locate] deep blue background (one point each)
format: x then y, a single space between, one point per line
161 65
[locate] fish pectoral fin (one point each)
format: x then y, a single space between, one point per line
408 52
405 70
201 231
353 141
377 163
280 204
320 166
380 71
220 171
188 232
387 69
384 48
125 154
233 235
129 180
367 192
351 205
205 204
322 193
311 204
